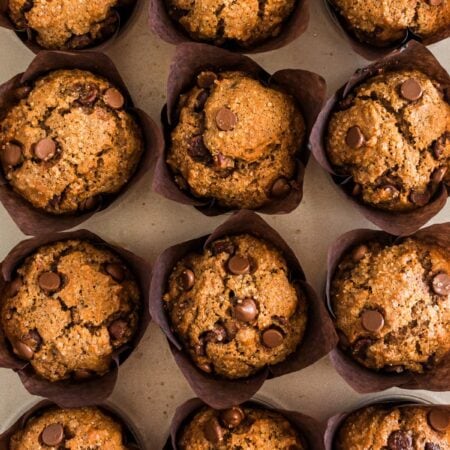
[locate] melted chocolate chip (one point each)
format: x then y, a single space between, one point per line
225 246
118 329
206 79
213 431
400 440
116 271
197 149
281 187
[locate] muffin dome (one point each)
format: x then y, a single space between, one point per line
69 307
236 141
392 137
234 308
69 142
392 305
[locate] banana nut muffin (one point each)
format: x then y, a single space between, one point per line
392 136
63 24
392 304
78 428
69 142
243 23
389 427
385 23
69 307
236 140
234 308
239 428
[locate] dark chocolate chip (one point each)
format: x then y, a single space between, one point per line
23 351
226 120
14 287
45 149
53 435
354 138
439 419
213 431
431 446
118 329
206 79
116 271
219 334
49 281
399 440
222 247
359 252
438 174
441 284
281 187
197 149
420 198
246 310
411 89
186 279
12 154
113 98
202 97
33 340
79 41
232 417
372 320
272 337
361 346
88 94
238 265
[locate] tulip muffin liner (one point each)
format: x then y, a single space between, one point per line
372 52
360 378
413 56
218 392
33 221
307 88
310 430
70 393
170 31
126 16
133 440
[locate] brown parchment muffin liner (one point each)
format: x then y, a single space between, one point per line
126 15
309 429
320 336
307 88
372 52
31 220
70 393
131 437
412 56
360 378
170 31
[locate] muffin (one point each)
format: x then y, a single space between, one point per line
390 427
79 428
239 428
63 25
69 142
236 141
391 135
385 23
234 308
71 306
392 304
242 23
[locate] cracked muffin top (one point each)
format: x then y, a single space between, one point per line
236 141
69 307
234 307
388 427
385 23
392 305
67 24
77 428
391 135
239 428
242 23
69 142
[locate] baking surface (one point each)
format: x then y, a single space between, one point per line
150 385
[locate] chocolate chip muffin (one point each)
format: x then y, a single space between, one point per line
236 141
388 427
234 308
69 142
392 304
78 428
239 428
61 24
70 306
243 23
385 23
391 135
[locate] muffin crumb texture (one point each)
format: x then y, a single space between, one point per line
70 306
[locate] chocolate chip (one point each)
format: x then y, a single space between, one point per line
197 149
232 328
420 198
438 148
82 374
372 320
22 92
238 265
246 310
14 287
113 98
32 339
226 120
354 138
12 154
49 281
53 435
23 351
213 431
232 417
361 346
201 100
79 41
222 162
411 89
431 446
434 2
281 187
45 149
206 79
205 367
441 284
88 94
399 440
439 419
222 247
219 334
90 203
438 174
199 349
186 279
390 191
359 252
118 329
116 271
272 338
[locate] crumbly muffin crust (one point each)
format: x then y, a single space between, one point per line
241 23
384 23
69 142
70 306
392 304
385 427
234 308
392 136
236 140
239 428
83 428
